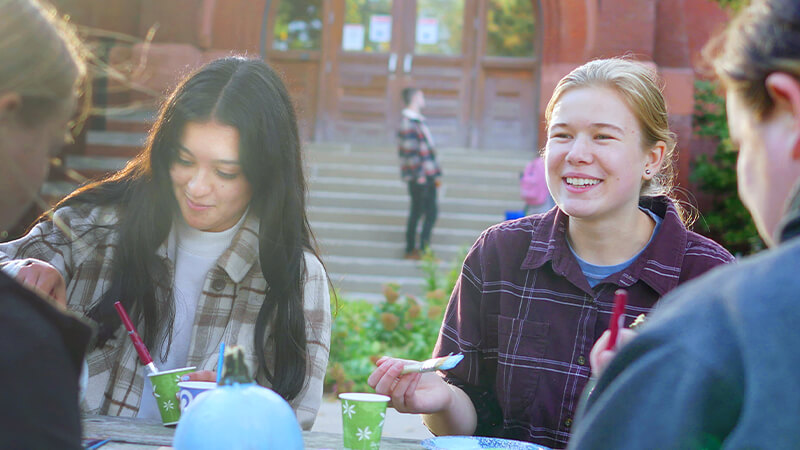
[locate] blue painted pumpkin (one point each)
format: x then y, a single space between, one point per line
238 414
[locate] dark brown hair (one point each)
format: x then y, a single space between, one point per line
249 96
762 39
407 94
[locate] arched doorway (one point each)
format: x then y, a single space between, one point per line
478 62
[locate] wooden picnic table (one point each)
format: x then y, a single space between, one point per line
128 434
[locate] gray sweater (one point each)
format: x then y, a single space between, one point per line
717 364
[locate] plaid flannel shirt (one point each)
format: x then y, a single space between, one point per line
415 149
232 294
525 318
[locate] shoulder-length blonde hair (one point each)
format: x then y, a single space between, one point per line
640 88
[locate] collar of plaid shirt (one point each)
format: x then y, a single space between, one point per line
665 250
116 389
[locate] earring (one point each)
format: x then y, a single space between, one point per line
647 171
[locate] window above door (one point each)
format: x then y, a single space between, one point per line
510 28
367 26
439 27
298 25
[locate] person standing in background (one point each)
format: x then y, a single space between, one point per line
419 169
41 346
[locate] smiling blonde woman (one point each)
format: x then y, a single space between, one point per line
716 366
536 293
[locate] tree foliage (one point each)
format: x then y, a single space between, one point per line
734 5
510 28
727 221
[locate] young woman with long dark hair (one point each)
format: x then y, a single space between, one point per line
204 238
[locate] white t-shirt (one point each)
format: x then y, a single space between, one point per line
194 253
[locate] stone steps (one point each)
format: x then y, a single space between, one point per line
319 197
390 233
362 248
357 204
398 217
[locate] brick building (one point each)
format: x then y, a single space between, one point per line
487 66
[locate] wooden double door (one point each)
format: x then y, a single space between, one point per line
347 61
379 47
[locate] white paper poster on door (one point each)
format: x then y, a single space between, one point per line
353 37
380 28
427 30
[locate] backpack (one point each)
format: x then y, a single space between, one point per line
532 183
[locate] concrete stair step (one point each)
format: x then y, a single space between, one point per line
398 217
466 161
383 172
332 147
95 163
400 202
381 249
114 143
396 187
128 119
390 233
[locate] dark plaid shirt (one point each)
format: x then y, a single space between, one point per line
525 318
415 150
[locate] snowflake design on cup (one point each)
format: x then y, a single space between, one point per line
363 434
383 419
348 409
168 405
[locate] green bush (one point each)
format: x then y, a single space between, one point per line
727 221
403 326
734 5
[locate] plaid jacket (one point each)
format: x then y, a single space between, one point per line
525 318
232 295
415 149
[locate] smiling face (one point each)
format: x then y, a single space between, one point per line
594 156
207 178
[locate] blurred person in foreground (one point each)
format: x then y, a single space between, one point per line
204 238
717 363
41 345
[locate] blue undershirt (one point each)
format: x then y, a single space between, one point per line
595 274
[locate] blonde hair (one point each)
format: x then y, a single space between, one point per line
42 58
640 89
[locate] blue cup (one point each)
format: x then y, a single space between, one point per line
515 214
189 390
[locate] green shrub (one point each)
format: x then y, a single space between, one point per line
402 326
727 221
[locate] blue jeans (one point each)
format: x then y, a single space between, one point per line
423 203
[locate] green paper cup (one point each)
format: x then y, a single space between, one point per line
165 390
362 419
